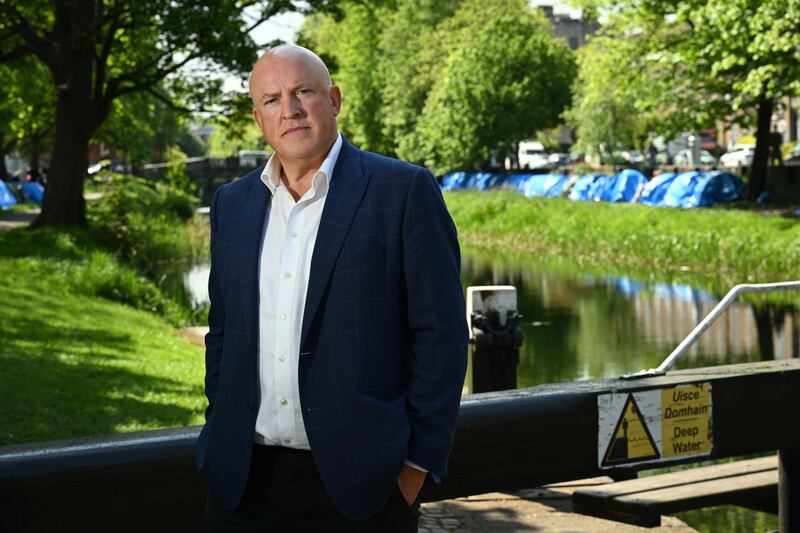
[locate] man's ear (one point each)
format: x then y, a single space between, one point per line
336 100
257 117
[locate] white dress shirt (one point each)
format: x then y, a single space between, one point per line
284 269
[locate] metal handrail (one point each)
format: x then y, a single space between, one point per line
710 319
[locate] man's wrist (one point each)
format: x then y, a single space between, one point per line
415 466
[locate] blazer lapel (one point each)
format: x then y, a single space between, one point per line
347 187
254 219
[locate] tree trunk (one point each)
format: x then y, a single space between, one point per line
78 116
758 171
64 204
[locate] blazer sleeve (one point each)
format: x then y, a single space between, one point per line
216 314
437 323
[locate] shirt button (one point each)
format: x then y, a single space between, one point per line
282 359
283 316
287 275
287 441
284 402
294 234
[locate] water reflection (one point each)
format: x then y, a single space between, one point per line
196 282
578 326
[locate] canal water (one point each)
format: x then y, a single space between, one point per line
578 326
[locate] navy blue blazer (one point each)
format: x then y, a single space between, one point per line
384 334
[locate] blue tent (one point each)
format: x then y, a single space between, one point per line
598 188
516 180
453 180
584 186
703 189
623 187
471 180
33 191
6 197
655 189
717 188
543 185
681 189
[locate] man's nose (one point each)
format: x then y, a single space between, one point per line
291 107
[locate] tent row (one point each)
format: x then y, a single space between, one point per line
685 189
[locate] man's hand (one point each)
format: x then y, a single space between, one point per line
410 483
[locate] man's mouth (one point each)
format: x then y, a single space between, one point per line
293 131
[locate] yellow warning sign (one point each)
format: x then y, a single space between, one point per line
686 420
631 440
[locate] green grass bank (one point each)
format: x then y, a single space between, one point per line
73 362
716 247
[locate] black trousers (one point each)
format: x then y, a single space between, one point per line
285 493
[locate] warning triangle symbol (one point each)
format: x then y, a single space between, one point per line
631 441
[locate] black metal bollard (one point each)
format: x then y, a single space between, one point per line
495 354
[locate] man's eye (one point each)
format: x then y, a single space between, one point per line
271 101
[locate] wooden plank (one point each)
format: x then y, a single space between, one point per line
642 501
682 477
698 495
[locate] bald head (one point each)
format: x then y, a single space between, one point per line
293 53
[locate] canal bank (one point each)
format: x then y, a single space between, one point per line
722 247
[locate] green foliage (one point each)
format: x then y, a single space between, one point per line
143 222
229 137
27 102
445 83
72 260
608 111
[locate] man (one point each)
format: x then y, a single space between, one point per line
775 143
337 339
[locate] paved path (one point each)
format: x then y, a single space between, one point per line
17 220
531 510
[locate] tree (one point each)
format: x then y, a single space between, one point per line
719 59
607 110
509 81
100 50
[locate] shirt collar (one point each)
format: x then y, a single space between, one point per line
271 175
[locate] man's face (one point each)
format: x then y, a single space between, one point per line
295 107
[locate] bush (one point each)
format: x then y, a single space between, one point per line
70 259
143 222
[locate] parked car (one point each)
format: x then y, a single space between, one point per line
532 155
684 158
738 155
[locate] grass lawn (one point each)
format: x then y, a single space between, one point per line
724 246
73 363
